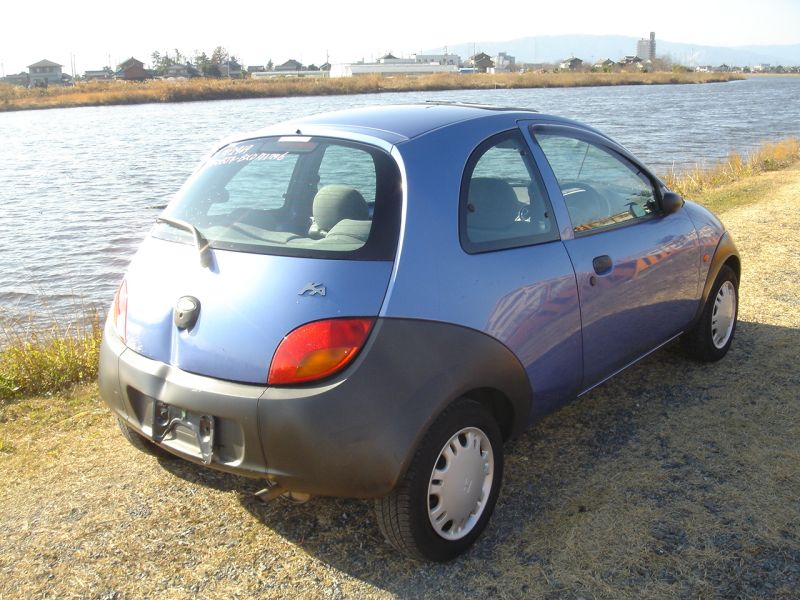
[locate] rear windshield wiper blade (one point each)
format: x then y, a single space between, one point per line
199 239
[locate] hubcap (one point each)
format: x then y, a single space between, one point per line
460 483
723 315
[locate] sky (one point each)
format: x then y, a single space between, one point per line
90 33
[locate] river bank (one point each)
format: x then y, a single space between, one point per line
674 479
98 93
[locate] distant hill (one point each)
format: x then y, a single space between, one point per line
554 48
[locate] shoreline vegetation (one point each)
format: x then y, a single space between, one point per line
108 93
47 362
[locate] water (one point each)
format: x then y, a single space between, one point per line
78 186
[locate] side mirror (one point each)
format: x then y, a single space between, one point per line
671 202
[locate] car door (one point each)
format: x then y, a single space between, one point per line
515 269
635 266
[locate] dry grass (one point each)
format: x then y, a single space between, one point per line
43 361
121 92
673 480
769 156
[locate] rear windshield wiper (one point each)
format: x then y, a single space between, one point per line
199 239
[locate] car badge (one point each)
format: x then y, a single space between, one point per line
313 289
187 309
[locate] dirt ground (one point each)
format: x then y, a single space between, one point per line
673 480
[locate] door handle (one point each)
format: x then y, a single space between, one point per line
602 264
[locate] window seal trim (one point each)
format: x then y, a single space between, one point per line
467 245
591 137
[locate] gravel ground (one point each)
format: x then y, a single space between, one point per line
672 480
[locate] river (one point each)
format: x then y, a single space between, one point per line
78 185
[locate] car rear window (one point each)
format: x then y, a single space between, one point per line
293 195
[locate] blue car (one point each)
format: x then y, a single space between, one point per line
369 303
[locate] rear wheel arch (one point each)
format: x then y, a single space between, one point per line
500 407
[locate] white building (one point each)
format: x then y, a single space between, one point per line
439 59
44 72
278 74
390 68
504 63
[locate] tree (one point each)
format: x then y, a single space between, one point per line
202 62
270 65
219 56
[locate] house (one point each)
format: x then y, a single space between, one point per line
256 69
571 64
481 62
181 72
99 75
44 72
326 66
22 79
604 65
290 65
630 60
230 70
132 70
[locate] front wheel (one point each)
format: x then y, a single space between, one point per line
444 501
711 337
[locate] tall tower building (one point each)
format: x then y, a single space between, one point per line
646 49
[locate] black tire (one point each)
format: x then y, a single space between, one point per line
403 515
141 443
699 342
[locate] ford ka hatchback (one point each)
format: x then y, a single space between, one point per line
369 303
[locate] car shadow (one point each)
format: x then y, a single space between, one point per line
544 472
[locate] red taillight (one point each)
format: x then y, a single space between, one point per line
319 349
119 310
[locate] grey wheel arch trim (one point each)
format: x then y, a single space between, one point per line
359 436
725 250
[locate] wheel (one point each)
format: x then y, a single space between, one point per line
711 337
442 504
141 443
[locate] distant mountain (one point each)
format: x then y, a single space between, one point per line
590 48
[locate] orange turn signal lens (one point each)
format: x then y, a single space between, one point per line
119 310
317 350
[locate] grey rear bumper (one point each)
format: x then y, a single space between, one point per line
352 435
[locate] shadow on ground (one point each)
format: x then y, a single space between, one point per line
674 478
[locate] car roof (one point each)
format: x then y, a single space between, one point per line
397 122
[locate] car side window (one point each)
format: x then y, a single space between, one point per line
503 200
600 187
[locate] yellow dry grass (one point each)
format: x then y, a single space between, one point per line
35 361
769 156
120 92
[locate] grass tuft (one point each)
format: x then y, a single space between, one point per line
769 156
44 361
